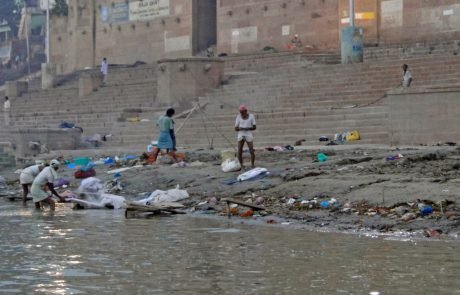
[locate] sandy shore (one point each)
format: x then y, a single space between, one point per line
364 189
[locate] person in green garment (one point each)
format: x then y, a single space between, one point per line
166 138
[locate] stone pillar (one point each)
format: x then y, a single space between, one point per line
352 45
88 83
48 76
182 80
16 88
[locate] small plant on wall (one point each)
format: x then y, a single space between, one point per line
60 8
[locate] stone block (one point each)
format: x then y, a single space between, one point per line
47 139
16 88
183 80
48 76
88 83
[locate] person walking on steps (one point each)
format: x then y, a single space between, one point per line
6 110
407 76
43 187
245 123
166 139
104 70
26 178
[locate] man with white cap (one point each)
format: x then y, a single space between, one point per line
27 178
245 123
43 188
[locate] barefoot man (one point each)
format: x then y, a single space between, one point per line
245 123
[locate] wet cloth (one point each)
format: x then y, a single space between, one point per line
249 122
165 125
28 174
48 175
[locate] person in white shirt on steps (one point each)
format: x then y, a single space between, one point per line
104 70
245 123
6 110
407 76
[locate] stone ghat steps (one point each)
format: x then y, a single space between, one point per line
96 119
263 61
269 125
380 69
117 75
321 82
114 99
399 51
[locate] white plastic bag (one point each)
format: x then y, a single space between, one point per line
231 165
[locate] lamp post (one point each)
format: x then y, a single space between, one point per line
352 13
47 31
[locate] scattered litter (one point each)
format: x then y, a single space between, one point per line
408 216
91 195
432 233
426 210
180 164
123 169
394 157
248 213
321 157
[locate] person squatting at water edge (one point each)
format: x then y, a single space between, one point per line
27 176
245 123
43 187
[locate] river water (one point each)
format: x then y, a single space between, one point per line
101 252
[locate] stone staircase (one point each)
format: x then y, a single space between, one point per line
99 113
293 98
292 103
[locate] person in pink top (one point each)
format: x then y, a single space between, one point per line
245 123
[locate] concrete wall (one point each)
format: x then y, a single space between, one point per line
250 25
54 139
424 116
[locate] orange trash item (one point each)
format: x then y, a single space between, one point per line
248 213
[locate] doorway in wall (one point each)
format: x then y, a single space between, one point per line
204 26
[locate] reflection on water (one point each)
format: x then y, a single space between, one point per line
99 252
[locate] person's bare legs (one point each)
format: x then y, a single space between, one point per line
50 202
38 205
25 192
240 152
253 154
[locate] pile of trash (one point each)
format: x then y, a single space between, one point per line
162 197
91 195
402 211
